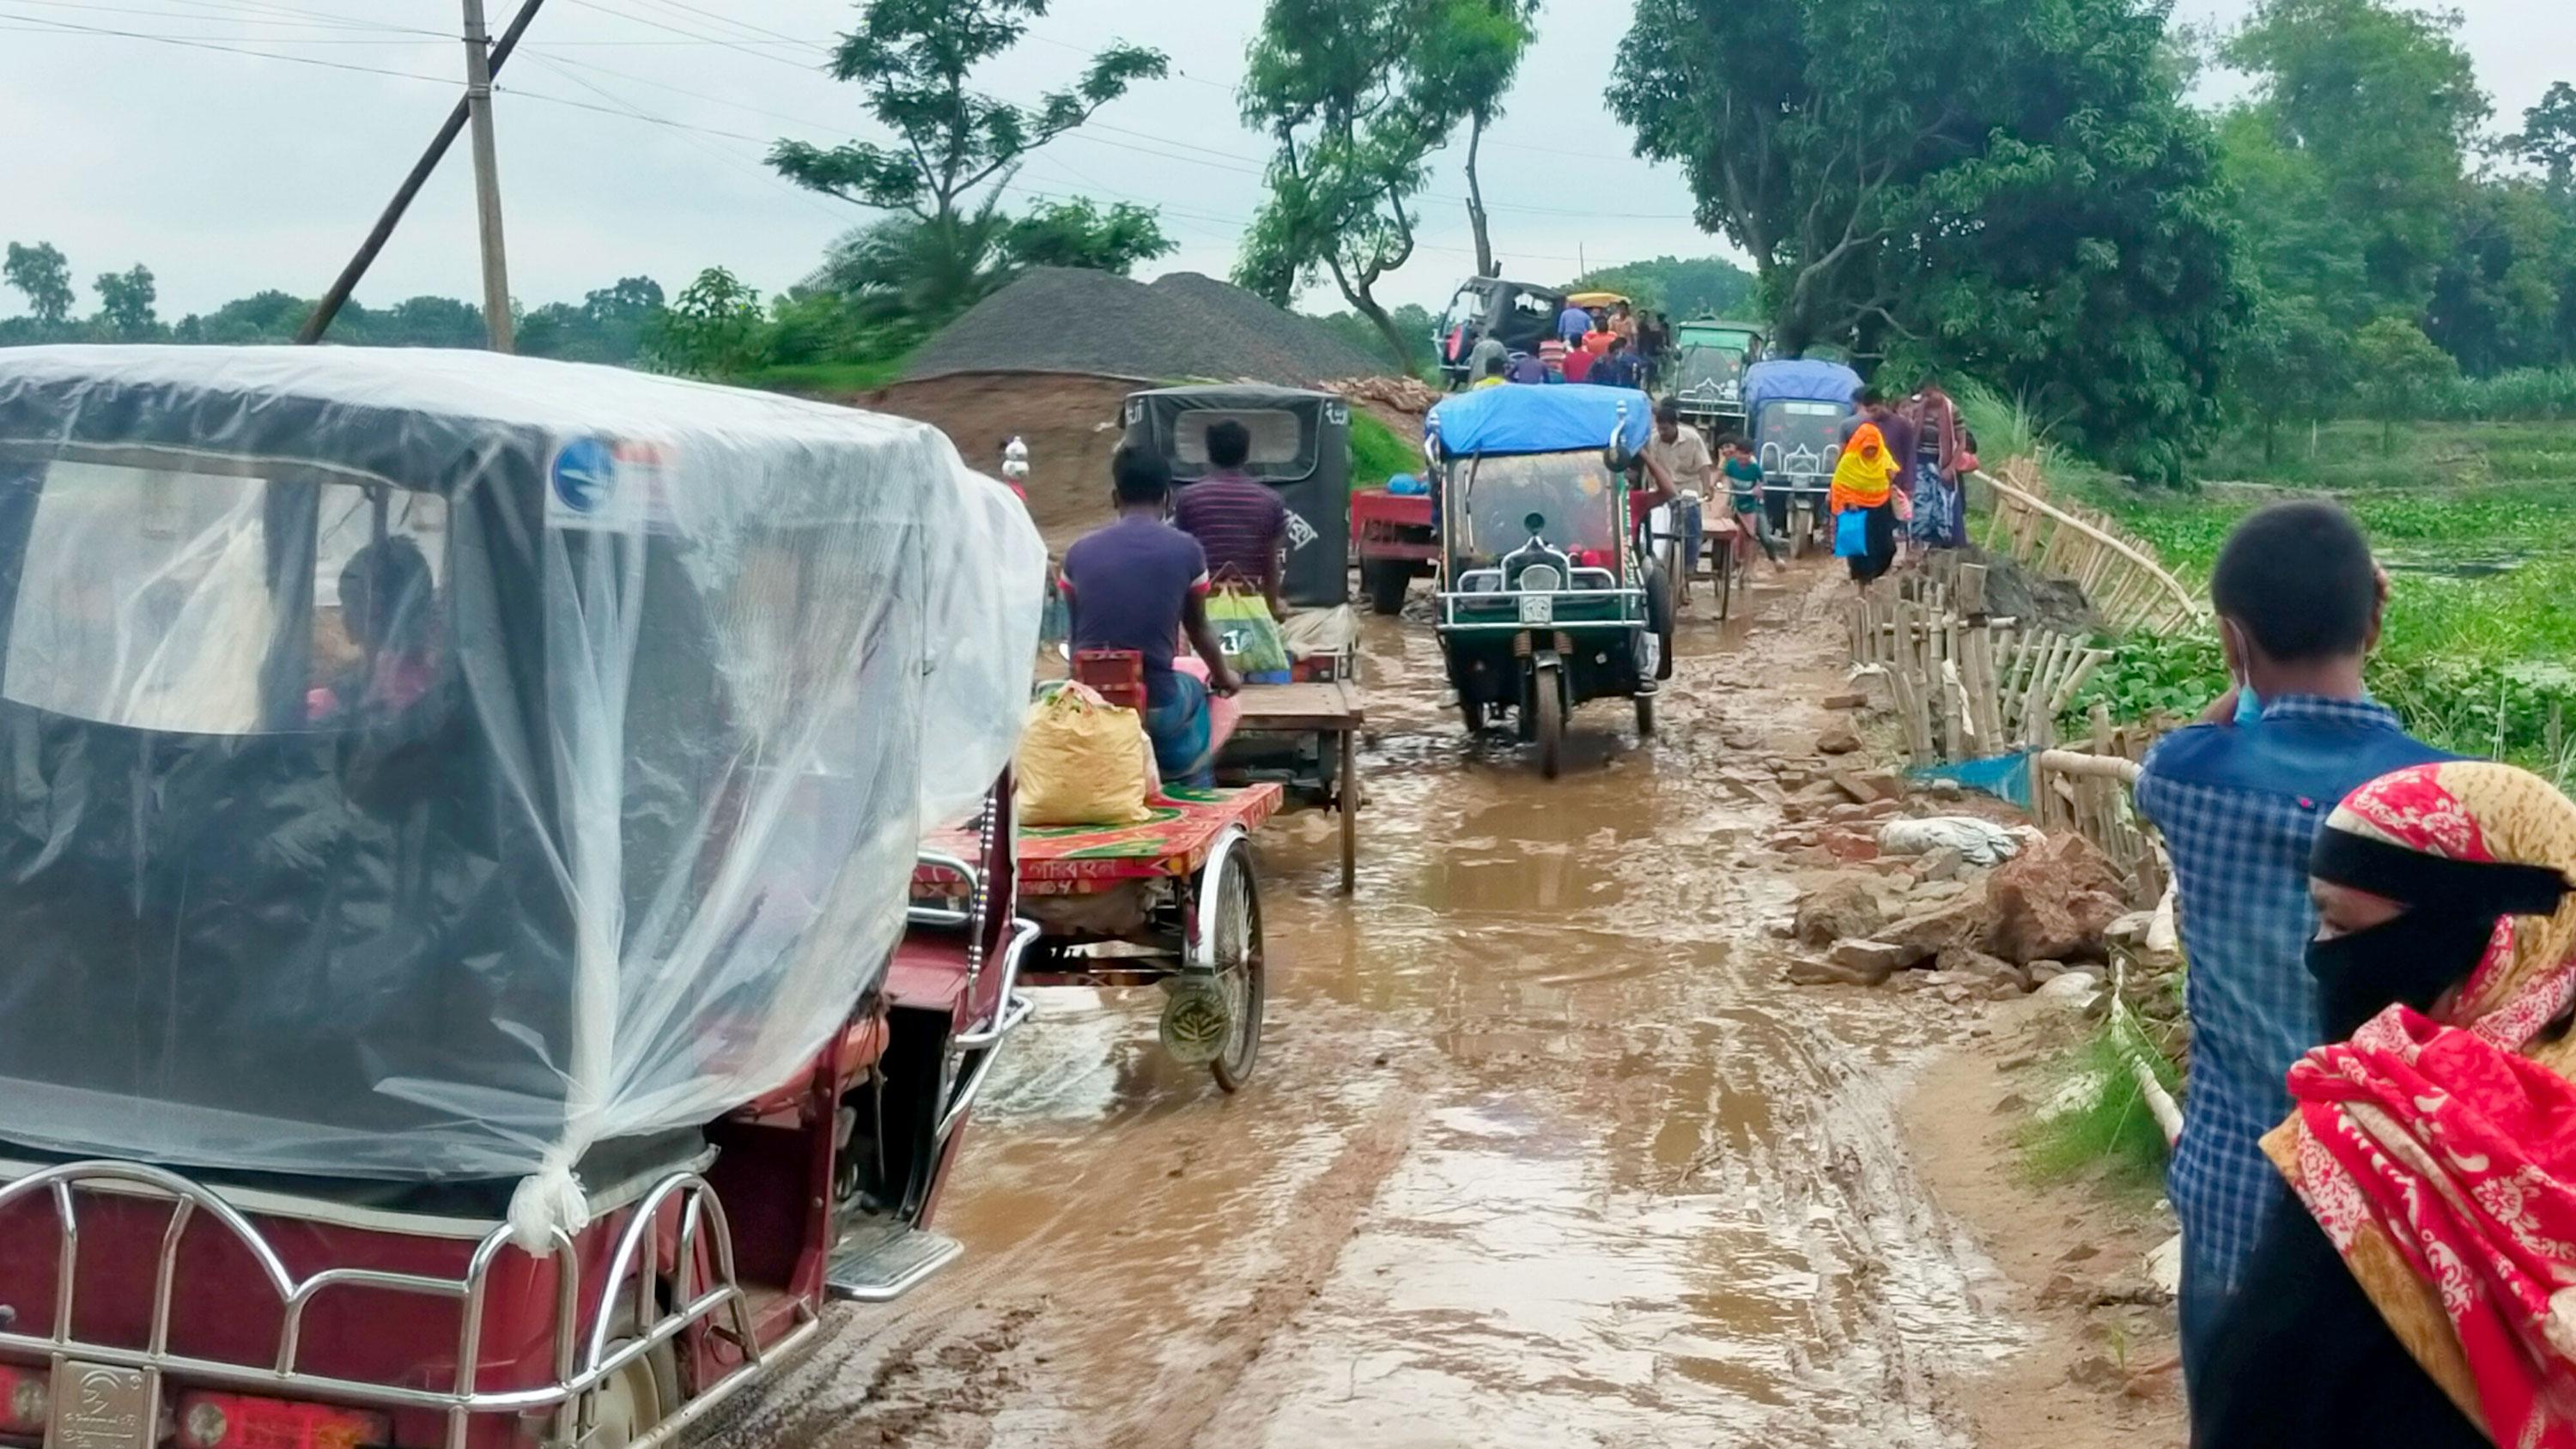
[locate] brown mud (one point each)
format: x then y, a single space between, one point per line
1541 1151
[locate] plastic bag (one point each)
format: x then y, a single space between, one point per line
1851 533
1083 761
1979 842
1249 636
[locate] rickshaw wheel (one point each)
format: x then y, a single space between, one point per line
1645 716
1547 715
1236 955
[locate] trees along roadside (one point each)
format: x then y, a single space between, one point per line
1982 187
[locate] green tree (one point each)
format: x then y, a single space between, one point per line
2292 364
1078 234
2403 374
2386 104
1478 45
914 61
40 274
125 303
1356 94
2049 218
2548 140
1698 287
1416 322
2499 296
714 328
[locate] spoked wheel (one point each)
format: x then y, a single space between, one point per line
1234 952
1547 721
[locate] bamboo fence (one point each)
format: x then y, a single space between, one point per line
1967 685
2129 590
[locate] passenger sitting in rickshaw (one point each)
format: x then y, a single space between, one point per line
1137 586
386 609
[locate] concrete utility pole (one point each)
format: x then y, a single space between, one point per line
356 272
487 177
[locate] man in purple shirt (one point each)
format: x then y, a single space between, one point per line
1238 521
1138 585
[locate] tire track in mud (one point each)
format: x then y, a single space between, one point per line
1542 1151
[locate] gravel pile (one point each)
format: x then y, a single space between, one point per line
1059 319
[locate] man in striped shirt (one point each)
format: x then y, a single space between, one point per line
1237 519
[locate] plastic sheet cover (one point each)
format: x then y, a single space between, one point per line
431 766
1554 418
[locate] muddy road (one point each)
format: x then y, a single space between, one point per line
1541 1151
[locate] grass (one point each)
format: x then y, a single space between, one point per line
2346 456
829 379
2095 1119
1378 452
2477 522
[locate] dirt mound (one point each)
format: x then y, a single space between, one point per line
2014 592
1070 320
1070 423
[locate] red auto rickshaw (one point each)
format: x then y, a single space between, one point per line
463 989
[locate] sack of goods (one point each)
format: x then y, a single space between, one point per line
1249 635
1083 761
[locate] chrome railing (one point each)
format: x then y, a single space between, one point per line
698 1297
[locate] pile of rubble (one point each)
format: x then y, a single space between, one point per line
1956 904
1396 394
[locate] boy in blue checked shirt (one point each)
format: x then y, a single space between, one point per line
2239 798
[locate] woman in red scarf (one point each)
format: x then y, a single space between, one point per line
2421 1290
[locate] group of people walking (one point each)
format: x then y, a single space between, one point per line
1897 486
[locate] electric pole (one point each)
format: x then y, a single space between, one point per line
487 177
356 271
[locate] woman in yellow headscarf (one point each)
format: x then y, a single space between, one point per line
1864 484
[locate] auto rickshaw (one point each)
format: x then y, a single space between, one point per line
1519 314
1707 377
1301 449
1546 601
1798 408
462 988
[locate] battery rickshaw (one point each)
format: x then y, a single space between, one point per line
1546 600
1707 379
463 991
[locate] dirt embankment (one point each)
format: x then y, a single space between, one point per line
1070 423
2102 1370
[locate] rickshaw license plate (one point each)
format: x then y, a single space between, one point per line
96 1406
1538 609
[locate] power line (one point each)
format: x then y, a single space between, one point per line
192 44
744 47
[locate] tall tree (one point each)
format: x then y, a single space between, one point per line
2548 140
125 303
2385 103
1682 289
1078 234
42 275
2049 217
914 63
1356 94
1478 45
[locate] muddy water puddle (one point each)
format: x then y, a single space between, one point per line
1540 1151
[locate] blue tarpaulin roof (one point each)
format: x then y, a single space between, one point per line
1528 418
1798 380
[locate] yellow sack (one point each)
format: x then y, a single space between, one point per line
1083 761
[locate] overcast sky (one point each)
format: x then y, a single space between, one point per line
631 134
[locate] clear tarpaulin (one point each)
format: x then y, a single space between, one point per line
436 765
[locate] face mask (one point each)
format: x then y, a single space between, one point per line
2412 959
